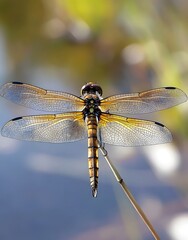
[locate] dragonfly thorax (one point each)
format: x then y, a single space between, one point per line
92 103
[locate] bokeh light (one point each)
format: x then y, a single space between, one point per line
177 228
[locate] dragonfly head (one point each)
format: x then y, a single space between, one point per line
91 88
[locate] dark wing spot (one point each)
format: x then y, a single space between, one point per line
160 124
17 83
170 88
15 119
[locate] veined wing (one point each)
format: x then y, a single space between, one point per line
40 99
54 128
143 102
118 130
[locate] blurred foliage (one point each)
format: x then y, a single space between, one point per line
133 45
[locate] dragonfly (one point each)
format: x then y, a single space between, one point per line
100 120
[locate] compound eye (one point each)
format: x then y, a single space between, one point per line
91 88
85 89
99 90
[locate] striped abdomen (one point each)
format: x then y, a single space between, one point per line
93 153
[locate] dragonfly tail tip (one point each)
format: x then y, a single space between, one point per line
94 192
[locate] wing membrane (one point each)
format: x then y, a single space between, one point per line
144 102
54 128
40 99
118 130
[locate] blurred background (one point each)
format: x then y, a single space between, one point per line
125 46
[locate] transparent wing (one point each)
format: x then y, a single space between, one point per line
54 128
40 99
144 102
118 130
